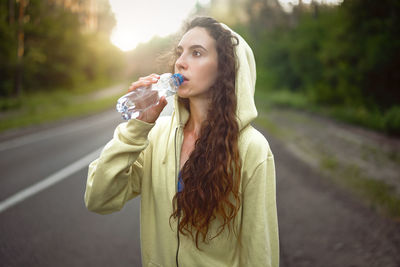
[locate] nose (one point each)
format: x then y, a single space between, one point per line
181 64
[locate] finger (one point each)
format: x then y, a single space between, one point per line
161 104
150 77
144 81
153 78
138 84
154 75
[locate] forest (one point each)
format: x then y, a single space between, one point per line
340 60
45 46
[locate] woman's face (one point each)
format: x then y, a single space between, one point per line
197 62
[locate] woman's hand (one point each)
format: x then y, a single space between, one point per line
151 114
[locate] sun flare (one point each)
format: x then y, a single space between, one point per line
139 21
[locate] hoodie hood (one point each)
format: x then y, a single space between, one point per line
245 83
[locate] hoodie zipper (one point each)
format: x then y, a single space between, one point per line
177 249
176 182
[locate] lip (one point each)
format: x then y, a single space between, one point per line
185 79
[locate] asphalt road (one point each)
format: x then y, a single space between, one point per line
52 227
45 223
323 225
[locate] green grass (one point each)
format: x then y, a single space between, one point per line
43 107
263 121
374 192
386 122
282 98
377 194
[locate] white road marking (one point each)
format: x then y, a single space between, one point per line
63 130
49 181
68 129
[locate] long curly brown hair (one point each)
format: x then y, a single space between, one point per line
211 175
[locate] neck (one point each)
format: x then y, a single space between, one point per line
198 114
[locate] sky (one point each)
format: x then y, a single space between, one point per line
139 21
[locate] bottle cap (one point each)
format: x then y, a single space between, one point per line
179 78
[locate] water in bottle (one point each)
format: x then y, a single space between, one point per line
133 103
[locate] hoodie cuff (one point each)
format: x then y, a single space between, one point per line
136 130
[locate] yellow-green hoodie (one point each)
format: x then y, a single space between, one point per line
143 159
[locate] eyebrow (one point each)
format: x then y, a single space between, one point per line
192 47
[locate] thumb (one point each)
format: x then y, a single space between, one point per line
161 104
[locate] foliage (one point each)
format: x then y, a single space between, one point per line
392 120
151 57
342 57
58 51
8 52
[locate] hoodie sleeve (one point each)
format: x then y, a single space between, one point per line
115 177
259 233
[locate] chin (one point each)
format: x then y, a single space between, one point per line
183 94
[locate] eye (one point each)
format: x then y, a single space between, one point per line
196 53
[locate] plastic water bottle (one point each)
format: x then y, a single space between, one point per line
133 103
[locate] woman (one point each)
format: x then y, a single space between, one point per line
206 177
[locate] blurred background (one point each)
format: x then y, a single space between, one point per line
327 94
